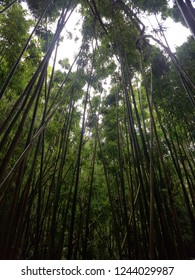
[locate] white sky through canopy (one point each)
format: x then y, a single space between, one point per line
175 33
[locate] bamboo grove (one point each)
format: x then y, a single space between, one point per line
97 157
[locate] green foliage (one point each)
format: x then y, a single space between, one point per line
13 33
152 6
186 55
64 63
83 149
37 7
175 13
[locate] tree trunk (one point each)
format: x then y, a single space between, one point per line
188 13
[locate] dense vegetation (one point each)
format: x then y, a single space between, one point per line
96 158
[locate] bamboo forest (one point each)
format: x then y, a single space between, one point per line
97 153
